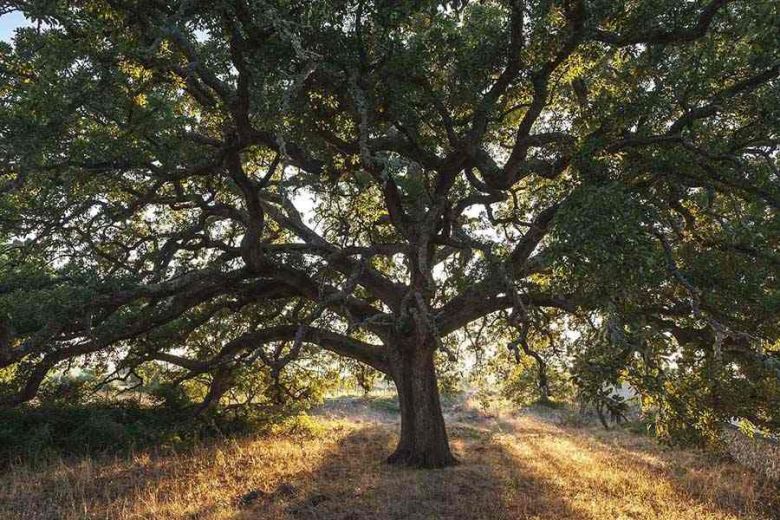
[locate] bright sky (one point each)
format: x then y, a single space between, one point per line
9 23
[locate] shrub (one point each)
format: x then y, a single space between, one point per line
35 433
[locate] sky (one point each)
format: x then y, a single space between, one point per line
8 24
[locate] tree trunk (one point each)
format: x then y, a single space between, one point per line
544 385
541 365
423 441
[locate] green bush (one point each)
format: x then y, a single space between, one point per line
37 433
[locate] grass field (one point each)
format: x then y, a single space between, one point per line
329 467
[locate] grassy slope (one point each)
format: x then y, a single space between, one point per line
512 467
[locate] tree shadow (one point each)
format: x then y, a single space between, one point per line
352 482
532 468
511 467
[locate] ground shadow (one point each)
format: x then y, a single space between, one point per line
353 482
512 467
533 468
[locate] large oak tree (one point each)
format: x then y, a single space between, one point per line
372 176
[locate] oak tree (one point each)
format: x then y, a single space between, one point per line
370 177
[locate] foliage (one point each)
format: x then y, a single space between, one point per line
38 433
216 193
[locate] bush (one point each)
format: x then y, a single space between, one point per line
36 433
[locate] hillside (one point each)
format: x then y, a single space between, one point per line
326 466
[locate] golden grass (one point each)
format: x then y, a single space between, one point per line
511 467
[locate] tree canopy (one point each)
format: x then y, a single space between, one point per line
215 186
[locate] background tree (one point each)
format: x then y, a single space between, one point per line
370 177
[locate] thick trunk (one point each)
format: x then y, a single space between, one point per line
423 441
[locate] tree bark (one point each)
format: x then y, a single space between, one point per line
541 366
423 442
544 384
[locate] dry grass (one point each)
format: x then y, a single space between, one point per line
512 467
